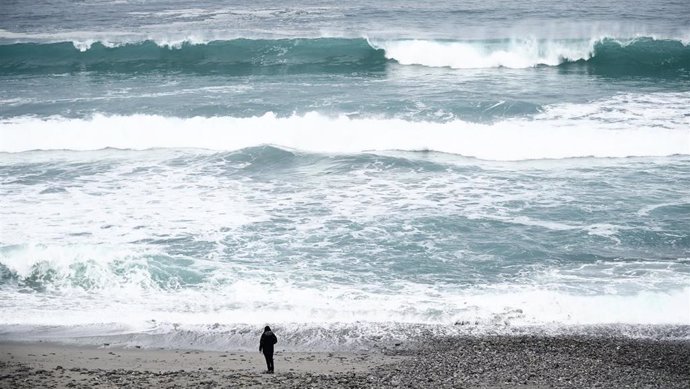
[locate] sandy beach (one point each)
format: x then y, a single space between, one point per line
56 365
471 362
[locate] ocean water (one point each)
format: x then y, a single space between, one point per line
178 174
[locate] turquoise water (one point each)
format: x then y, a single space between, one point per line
176 175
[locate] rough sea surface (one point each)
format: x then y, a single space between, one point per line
177 174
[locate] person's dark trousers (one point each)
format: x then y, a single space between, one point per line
269 361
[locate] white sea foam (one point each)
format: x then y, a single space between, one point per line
517 53
599 129
125 283
314 320
119 284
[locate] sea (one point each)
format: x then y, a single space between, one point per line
356 174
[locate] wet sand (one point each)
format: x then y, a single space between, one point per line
472 362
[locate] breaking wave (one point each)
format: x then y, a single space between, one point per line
153 311
622 126
333 55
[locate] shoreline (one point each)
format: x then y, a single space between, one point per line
474 362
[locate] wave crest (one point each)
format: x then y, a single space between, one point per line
623 126
490 54
80 269
249 56
632 54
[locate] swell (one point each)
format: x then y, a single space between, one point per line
233 57
340 55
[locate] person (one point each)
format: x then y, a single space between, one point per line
268 339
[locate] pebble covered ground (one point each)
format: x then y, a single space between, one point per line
457 362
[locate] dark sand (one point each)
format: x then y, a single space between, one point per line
458 362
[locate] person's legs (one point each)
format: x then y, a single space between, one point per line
269 360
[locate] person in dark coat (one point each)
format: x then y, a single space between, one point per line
268 339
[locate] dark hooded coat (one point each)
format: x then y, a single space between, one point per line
268 339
